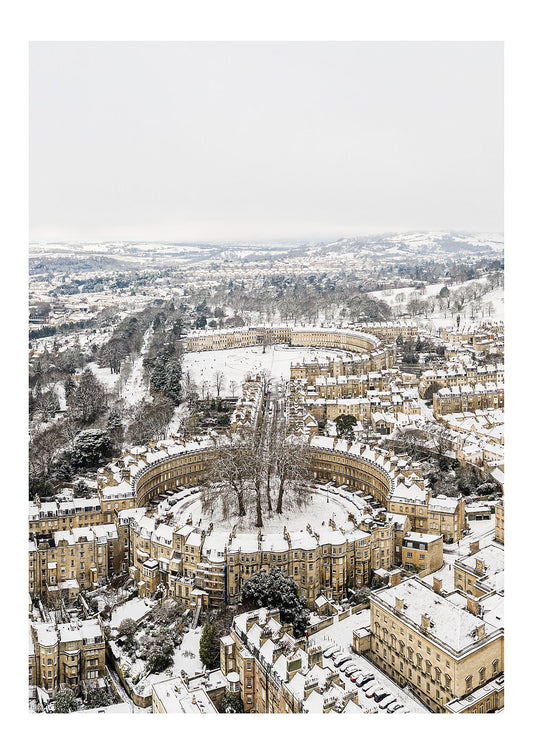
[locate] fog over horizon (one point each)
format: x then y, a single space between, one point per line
263 142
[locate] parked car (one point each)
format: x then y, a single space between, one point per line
329 652
369 690
342 660
387 701
355 675
380 694
363 678
349 668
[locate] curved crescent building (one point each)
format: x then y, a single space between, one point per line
201 565
316 337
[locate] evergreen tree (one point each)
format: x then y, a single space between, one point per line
273 589
115 429
65 701
173 381
158 378
99 698
231 703
345 426
200 322
90 448
207 645
70 386
87 402
128 629
160 651
82 489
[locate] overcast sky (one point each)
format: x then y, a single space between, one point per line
263 141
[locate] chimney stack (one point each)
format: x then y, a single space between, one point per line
425 620
437 585
314 656
474 547
472 605
395 577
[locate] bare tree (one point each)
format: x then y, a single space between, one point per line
266 379
150 420
220 379
230 466
292 462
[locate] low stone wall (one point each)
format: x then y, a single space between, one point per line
137 699
330 619
320 625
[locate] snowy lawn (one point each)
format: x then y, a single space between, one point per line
236 363
135 609
104 375
322 506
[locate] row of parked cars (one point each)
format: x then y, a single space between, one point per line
364 680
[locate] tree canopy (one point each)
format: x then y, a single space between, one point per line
273 589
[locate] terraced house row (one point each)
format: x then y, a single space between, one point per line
211 567
464 398
276 673
460 374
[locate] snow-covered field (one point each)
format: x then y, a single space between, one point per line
489 307
236 363
187 656
321 507
105 376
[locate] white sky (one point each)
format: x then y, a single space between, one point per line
218 141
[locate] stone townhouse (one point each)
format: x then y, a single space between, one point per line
499 521
317 337
65 562
66 654
481 572
460 374
422 553
439 645
63 513
429 515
